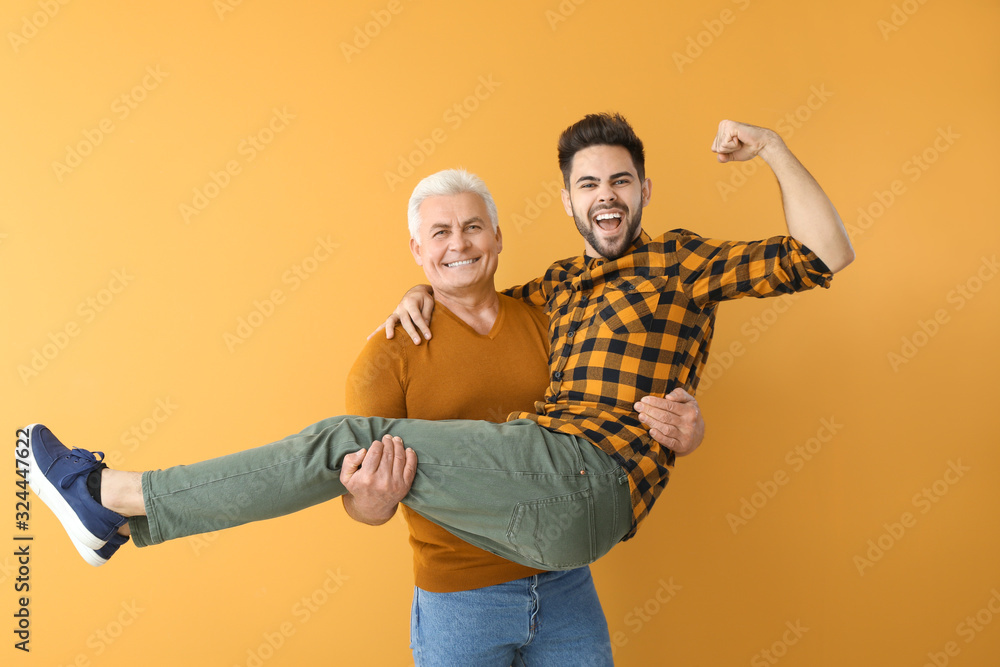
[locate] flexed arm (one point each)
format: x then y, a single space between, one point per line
809 214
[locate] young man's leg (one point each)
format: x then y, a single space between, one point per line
68 481
546 500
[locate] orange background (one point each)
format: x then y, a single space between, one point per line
129 305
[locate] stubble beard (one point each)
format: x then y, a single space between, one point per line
607 251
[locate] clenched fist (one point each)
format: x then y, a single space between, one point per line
739 141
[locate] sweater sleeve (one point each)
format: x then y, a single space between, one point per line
376 384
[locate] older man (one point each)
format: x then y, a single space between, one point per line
489 359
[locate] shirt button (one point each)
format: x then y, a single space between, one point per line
569 334
557 375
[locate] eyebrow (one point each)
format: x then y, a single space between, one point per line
610 178
447 225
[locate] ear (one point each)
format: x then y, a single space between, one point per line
567 202
647 192
415 249
499 240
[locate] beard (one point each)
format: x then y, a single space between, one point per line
608 248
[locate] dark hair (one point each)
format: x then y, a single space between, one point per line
600 129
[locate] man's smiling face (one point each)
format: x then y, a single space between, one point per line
606 198
457 246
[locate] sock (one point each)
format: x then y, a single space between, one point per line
94 483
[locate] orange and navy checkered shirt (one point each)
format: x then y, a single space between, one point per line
642 324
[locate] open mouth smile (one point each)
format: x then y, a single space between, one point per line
608 221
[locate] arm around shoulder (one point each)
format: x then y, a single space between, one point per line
413 314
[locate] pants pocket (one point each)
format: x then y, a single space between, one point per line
556 533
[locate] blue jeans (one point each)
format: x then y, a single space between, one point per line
552 619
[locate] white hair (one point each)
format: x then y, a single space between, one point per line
444 184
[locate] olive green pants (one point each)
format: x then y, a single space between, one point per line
543 499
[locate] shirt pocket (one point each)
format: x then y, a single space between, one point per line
631 305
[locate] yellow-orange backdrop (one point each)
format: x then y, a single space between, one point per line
202 216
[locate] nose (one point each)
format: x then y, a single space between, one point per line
606 194
459 242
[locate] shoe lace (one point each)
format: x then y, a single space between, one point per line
89 462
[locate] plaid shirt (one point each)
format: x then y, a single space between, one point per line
642 324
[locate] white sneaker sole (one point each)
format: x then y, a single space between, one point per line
85 542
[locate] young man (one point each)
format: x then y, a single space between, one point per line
488 360
636 314
558 488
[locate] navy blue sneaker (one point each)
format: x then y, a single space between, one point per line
58 476
104 554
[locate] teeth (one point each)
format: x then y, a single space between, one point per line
608 216
462 263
